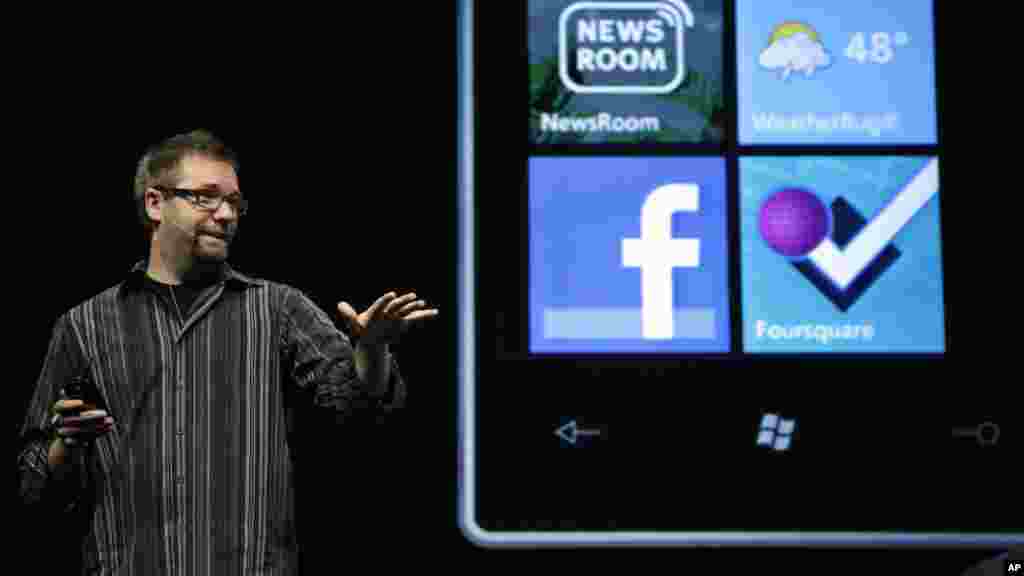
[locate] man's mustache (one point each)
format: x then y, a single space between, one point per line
222 235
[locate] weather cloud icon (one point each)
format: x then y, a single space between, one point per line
794 47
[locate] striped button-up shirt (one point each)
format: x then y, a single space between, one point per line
196 478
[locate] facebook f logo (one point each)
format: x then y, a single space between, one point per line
628 254
656 253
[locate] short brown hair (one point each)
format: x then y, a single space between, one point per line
161 165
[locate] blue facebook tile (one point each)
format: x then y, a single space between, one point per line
628 255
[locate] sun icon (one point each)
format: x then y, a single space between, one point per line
788 29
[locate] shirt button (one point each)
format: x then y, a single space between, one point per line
181 480
181 432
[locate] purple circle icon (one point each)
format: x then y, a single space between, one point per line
793 221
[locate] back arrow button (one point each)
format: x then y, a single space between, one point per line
570 432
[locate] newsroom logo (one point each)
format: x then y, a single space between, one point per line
623 47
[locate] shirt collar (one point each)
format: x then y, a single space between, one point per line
229 276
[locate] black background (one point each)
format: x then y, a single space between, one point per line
346 125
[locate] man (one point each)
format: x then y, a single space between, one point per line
202 375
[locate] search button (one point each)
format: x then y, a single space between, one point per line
985 434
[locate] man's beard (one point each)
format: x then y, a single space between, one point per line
206 266
209 256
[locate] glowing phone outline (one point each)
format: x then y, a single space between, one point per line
466 369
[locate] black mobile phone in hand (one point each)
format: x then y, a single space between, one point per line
84 389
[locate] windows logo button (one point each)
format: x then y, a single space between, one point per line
776 433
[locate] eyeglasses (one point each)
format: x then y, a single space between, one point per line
203 200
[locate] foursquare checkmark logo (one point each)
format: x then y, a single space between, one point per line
836 248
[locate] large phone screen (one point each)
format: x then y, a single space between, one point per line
704 285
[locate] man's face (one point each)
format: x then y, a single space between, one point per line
204 233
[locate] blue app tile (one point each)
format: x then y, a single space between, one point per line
628 255
826 72
841 254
